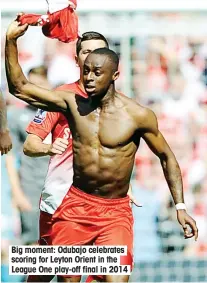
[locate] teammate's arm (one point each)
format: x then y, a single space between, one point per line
34 146
158 145
19 86
5 140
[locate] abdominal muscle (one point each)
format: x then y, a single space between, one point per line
104 172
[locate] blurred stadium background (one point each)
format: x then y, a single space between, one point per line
163 52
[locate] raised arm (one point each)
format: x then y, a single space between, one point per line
171 169
19 86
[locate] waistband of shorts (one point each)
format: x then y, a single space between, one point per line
98 200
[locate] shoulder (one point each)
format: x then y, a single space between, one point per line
147 121
63 99
139 112
144 118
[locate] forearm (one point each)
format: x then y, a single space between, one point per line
3 117
34 147
173 177
15 77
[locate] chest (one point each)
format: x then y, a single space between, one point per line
107 129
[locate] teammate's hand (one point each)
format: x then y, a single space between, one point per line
132 198
58 147
186 221
5 142
15 30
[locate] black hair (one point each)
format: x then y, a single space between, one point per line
113 57
90 35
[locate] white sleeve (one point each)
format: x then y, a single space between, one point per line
57 5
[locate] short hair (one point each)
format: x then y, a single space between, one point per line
90 35
40 70
113 57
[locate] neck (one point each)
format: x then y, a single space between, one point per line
104 100
80 83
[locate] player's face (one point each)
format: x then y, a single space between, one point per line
98 74
86 48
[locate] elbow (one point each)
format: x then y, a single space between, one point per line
26 150
163 156
168 158
17 89
13 90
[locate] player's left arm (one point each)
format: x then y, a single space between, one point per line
158 145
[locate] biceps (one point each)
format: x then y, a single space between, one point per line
38 104
157 144
44 106
43 98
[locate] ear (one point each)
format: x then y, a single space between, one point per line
76 60
115 75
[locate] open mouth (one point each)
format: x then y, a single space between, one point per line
90 88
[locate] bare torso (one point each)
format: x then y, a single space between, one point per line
104 145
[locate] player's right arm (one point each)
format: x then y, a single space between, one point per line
19 86
5 139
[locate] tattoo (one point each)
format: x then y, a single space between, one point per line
3 116
173 177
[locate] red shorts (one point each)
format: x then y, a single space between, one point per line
84 219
